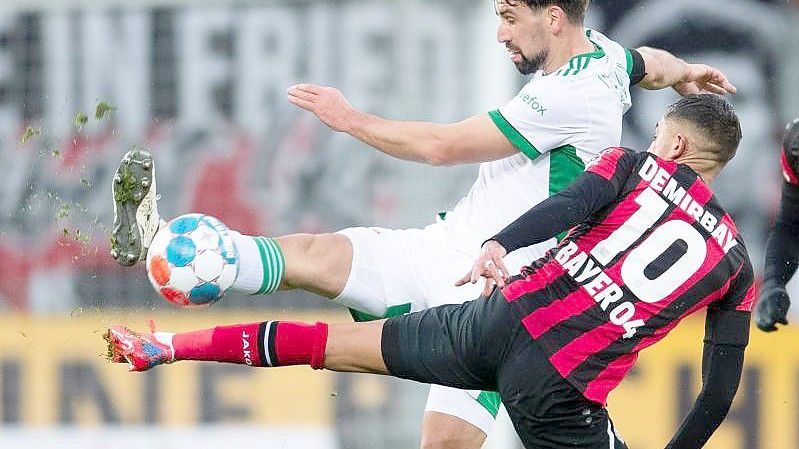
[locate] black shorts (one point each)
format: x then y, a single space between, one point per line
481 345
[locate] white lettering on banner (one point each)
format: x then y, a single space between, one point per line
216 79
207 67
236 62
81 69
268 70
361 38
117 65
135 58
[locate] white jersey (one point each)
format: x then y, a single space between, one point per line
558 122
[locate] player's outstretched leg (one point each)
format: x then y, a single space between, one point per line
136 218
353 346
319 263
183 271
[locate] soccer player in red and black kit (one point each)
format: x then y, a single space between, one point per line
782 247
647 245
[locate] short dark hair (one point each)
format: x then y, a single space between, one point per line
574 9
713 116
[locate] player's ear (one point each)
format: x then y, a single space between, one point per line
679 147
682 145
555 18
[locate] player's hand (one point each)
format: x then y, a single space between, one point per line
703 78
327 103
488 265
772 308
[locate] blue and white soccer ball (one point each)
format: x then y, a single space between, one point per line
192 260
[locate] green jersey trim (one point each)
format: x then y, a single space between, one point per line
399 309
490 401
629 56
515 137
580 62
596 54
564 167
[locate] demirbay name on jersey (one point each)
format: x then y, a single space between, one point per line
587 270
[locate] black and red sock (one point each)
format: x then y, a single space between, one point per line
271 343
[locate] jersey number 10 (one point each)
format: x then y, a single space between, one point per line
652 207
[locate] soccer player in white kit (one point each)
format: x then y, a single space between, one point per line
534 146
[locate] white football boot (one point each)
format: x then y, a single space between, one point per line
136 218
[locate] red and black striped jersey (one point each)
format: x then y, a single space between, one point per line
656 247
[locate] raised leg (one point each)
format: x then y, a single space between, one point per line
319 263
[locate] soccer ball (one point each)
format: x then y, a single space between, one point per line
192 260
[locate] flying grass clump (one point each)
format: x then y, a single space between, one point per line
102 110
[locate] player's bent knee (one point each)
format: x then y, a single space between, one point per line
451 441
332 246
317 262
331 253
442 431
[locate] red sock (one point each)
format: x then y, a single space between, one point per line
271 343
299 344
234 344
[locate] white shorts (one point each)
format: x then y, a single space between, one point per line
400 271
478 408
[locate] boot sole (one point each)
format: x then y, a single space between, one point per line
132 182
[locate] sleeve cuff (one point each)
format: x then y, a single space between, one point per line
515 137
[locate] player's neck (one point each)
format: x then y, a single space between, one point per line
707 169
574 43
707 177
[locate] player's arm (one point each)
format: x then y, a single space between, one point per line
560 212
476 139
663 69
783 242
782 255
591 191
726 336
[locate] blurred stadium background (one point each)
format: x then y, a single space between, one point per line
202 84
